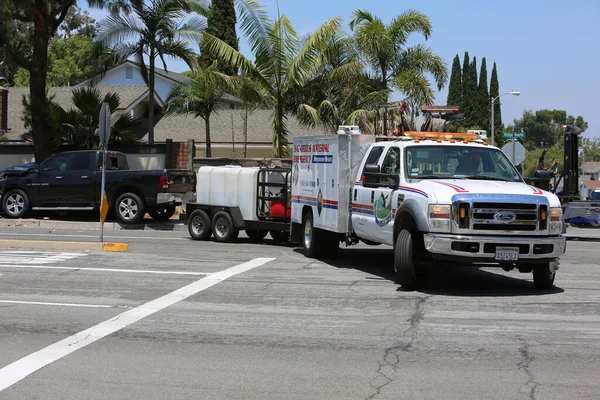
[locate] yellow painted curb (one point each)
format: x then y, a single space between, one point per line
115 247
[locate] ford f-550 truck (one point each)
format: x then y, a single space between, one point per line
435 197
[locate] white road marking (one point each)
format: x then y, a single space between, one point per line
37 257
43 303
20 369
134 271
46 235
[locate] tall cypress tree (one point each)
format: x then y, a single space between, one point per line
471 94
455 85
465 83
221 23
483 99
494 92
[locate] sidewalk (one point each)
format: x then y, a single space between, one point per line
171 225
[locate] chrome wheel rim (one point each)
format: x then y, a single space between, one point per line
128 208
198 225
221 227
15 204
308 233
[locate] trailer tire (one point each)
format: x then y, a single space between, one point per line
411 275
280 236
223 229
543 275
312 239
256 235
199 225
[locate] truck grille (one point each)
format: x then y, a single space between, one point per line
515 217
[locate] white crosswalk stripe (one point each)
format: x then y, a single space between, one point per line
36 257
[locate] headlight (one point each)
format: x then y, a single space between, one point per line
439 218
556 221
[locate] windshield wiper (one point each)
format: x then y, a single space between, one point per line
431 177
489 178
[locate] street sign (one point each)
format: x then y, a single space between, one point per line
104 125
514 151
103 208
513 135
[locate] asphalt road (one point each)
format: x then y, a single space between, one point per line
177 319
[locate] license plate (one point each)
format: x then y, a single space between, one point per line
507 253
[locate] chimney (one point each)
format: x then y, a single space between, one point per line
3 111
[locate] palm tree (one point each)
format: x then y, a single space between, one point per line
154 30
418 92
282 63
384 47
198 97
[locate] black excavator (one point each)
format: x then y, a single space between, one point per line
575 211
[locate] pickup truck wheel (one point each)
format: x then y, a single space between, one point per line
162 212
312 238
410 274
280 236
543 275
199 225
129 208
223 229
256 235
15 203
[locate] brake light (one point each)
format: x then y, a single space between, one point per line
163 182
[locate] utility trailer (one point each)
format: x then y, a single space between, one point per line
233 198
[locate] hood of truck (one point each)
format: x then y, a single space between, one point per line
443 190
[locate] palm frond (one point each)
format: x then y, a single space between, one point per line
408 22
308 116
361 16
423 59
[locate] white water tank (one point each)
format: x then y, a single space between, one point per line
228 186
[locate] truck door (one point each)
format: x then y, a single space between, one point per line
363 218
50 181
384 207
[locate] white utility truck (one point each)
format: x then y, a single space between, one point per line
234 198
435 197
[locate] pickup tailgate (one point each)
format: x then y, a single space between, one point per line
180 180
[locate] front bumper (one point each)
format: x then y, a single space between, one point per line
483 248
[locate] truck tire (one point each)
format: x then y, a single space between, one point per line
280 236
15 203
223 229
410 275
256 235
312 239
162 212
543 275
199 225
129 208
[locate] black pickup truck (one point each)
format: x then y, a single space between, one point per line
71 181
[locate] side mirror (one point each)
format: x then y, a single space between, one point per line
372 169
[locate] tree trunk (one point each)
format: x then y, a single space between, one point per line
280 132
245 130
207 128
42 137
151 94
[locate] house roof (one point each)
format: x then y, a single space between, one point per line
62 95
592 184
590 167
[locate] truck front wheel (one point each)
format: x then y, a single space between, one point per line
223 229
543 275
312 240
411 275
15 203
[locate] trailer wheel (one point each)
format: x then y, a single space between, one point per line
199 225
280 236
410 275
543 275
223 229
312 240
256 235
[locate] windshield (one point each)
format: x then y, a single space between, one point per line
458 162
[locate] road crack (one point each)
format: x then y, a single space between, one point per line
526 359
388 365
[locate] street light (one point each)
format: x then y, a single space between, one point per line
514 93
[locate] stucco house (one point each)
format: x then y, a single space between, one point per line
126 80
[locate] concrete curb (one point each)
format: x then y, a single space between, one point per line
173 225
59 245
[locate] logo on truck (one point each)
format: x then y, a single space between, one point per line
383 212
506 216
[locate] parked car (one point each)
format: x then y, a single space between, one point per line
70 181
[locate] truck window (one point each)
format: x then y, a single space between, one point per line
80 162
57 162
374 155
391 162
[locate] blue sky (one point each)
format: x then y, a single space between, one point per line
549 50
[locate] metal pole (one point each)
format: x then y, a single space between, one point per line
492 121
102 192
514 148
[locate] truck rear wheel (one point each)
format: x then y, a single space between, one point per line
223 229
130 209
280 236
256 235
410 275
199 225
312 237
162 212
543 275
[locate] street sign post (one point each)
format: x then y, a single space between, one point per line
514 151
104 135
513 135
